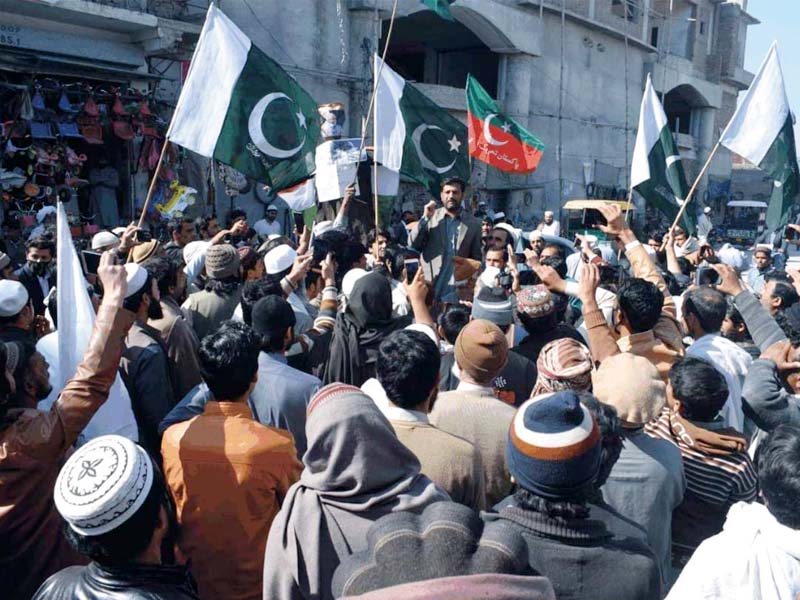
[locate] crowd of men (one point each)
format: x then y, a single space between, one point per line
454 409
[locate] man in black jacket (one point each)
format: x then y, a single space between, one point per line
37 275
118 514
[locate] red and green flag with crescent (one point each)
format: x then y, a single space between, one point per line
497 139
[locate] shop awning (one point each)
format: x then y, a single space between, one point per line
43 64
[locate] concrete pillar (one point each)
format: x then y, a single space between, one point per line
362 46
517 95
646 21
705 143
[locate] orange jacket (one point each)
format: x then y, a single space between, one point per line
228 475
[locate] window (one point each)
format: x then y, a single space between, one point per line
654 37
702 27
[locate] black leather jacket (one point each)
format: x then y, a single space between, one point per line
132 582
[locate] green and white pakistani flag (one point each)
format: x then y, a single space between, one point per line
656 170
240 107
414 137
761 130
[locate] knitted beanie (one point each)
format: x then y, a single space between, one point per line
632 385
553 447
222 260
481 349
493 307
536 301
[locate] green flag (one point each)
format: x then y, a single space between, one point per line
656 170
417 138
762 131
440 7
241 108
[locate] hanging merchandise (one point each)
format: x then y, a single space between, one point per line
26 107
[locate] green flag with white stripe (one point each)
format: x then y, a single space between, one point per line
241 108
761 130
656 170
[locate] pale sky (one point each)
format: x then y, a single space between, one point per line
780 20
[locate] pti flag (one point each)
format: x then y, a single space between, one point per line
415 137
496 139
440 7
240 107
761 131
656 171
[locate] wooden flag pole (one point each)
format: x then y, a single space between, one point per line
153 182
690 195
372 96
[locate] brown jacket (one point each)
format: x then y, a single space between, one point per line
477 416
662 345
228 475
182 345
33 445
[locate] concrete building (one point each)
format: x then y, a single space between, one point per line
573 71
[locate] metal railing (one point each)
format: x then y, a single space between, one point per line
180 10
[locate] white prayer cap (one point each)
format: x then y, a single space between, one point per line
426 329
489 277
118 231
13 297
548 213
44 212
104 239
512 231
322 227
103 484
279 259
13 353
707 210
499 216
136 276
731 256
349 280
535 235
191 249
272 207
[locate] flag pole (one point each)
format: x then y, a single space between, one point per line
690 195
373 94
153 181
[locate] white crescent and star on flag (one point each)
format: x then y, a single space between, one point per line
427 163
257 132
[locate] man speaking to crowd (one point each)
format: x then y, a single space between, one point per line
446 232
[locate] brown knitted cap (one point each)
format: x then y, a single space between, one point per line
222 260
481 349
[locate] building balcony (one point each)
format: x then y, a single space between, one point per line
737 77
178 10
687 145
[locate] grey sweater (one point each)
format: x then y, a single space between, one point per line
764 399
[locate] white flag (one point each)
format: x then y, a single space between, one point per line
64 348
